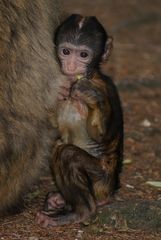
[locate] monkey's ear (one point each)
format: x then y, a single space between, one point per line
108 48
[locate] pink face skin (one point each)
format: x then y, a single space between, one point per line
74 59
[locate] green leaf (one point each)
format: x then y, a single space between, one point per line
154 183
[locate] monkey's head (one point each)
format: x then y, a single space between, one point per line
81 44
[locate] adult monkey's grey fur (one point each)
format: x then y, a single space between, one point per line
29 81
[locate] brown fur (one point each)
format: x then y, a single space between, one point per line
28 89
86 167
99 132
87 163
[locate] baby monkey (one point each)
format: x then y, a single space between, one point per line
86 164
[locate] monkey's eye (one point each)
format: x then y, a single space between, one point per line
66 51
84 54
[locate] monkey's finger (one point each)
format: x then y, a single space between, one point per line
62 97
63 93
65 88
67 84
42 219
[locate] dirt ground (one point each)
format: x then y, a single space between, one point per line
135 66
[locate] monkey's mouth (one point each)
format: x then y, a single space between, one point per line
74 73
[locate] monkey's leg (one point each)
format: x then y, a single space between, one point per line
74 171
63 216
78 214
112 163
69 218
54 206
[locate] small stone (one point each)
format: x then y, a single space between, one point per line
129 186
127 161
79 234
33 238
146 123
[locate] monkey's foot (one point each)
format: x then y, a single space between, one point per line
48 220
45 220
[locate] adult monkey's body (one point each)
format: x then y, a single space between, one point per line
28 88
86 166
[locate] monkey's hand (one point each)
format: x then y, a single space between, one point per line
65 88
85 91
94 96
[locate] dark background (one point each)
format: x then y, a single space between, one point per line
135 65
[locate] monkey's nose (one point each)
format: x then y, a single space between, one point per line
72 67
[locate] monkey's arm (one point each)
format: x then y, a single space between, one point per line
94 94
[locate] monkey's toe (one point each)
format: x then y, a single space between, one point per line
42 219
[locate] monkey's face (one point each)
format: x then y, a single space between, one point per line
74 59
